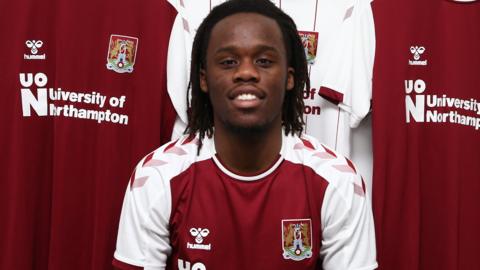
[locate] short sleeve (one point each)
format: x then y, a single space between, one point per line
348 80
144 219
348 236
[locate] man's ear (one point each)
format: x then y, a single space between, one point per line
203 80
290 78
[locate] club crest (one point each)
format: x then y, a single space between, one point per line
122 51
297 239
310 42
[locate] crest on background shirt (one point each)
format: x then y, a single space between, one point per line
310 42
121 55
297 239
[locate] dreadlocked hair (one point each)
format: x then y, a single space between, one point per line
200 111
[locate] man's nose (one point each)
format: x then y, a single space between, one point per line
246 71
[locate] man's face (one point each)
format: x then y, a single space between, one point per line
246 72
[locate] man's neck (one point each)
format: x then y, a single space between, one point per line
248 152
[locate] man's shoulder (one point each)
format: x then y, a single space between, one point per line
326 162
174 157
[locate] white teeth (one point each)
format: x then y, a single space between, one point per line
246 97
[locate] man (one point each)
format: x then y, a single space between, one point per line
244 189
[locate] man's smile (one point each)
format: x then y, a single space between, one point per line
246 98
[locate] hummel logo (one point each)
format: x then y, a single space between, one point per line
199 235
417 51
33 45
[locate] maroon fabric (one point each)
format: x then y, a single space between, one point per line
123 266
237 213
331 95
64 178
426 184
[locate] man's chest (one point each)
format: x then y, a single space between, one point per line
223 223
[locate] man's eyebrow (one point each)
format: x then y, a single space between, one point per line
259 48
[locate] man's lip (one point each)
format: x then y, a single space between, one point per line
246 90
246 104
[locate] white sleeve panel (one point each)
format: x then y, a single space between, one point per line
137 233
350 63
190 15
178 59
178 128
348 236
363 57
158 247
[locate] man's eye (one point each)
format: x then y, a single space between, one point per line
228 62
264 62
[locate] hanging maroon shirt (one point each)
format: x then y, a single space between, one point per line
426 134
84 97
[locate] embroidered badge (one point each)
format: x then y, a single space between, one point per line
122 51
310 42
297 239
